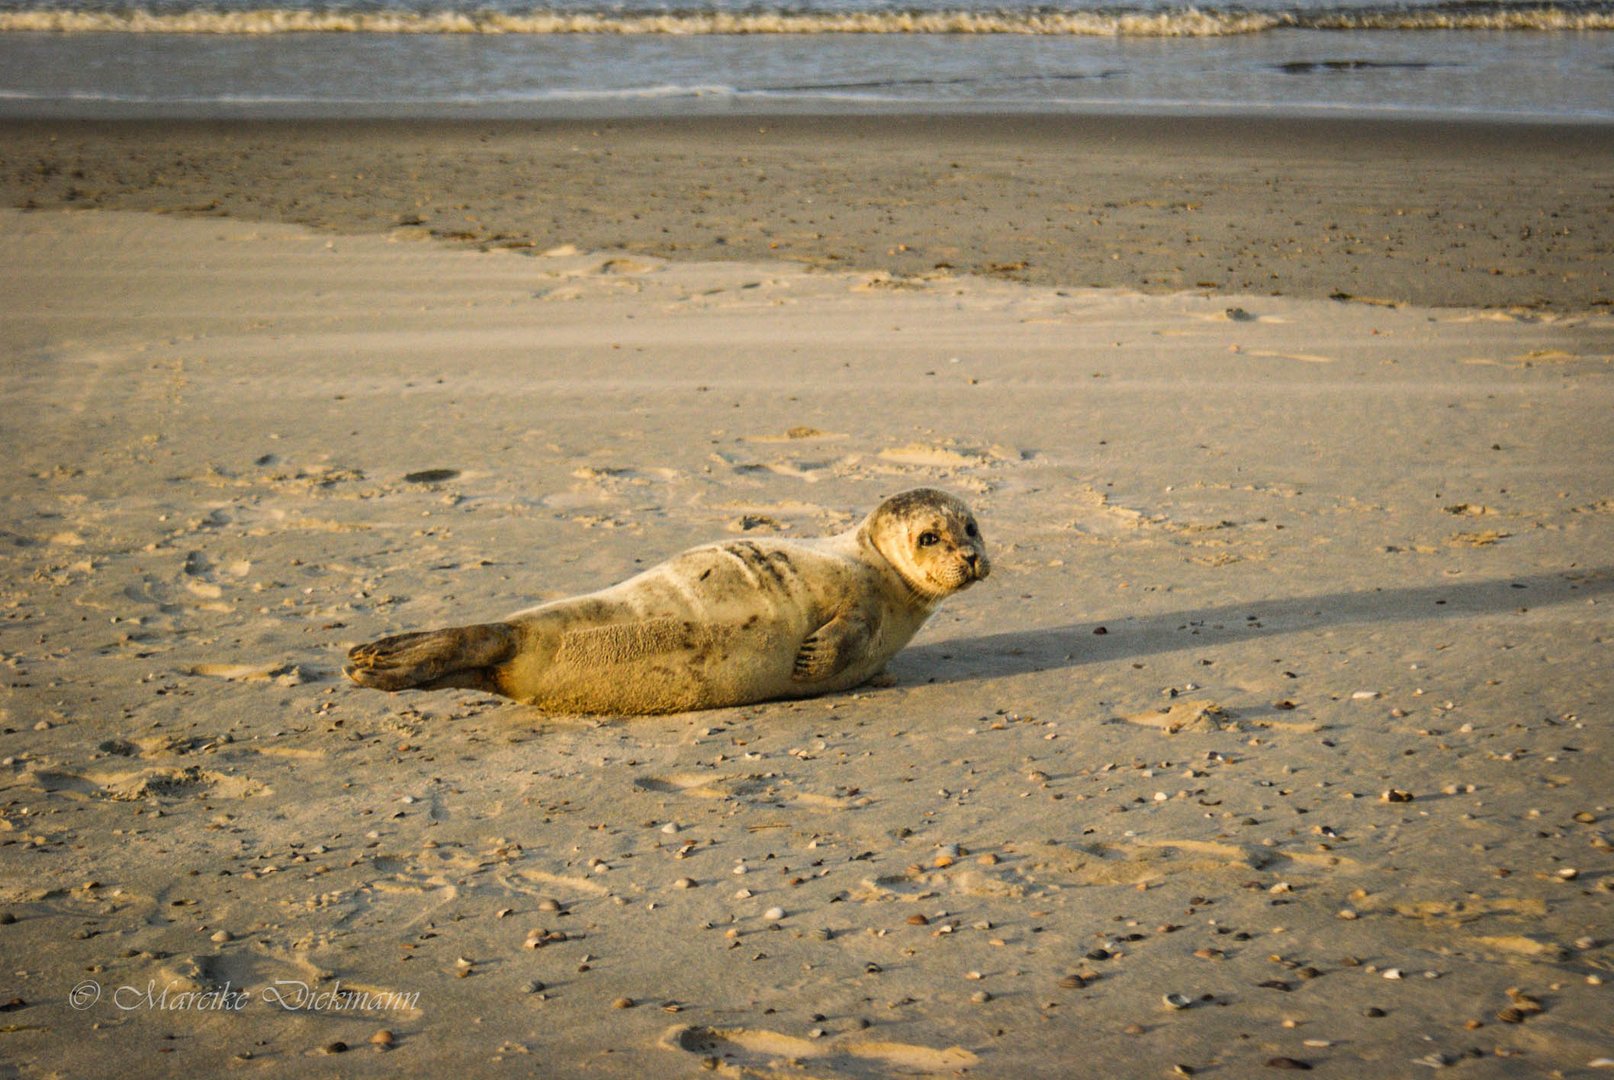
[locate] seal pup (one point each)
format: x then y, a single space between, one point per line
723 624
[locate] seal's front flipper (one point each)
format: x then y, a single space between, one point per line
461 656
831 648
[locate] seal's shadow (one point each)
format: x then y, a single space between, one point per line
1022 652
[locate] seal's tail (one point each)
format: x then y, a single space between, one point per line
460 656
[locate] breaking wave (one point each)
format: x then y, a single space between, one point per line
1185 22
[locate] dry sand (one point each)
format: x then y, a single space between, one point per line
1288 694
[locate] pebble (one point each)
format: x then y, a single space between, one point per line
684 883
1569 873
622 1003
1392 973
670 828
774 914
7 918
1374 1011
980 997
532 987
548 904
337 1047
382 1038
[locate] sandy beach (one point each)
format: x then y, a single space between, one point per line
1277 740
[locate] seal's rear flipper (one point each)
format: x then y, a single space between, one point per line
460 656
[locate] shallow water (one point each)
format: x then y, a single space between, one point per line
384 59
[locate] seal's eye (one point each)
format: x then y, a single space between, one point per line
926 539
971 531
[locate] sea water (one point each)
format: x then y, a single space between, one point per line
559 58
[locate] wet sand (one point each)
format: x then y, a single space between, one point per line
1432 213
1277 740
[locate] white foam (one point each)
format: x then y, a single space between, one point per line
1188 22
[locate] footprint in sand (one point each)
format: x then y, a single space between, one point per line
747 1052
133 786
756 790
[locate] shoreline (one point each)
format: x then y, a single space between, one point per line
1437 213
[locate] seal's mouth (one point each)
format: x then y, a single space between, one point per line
961 575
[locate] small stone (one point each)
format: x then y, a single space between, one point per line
220 937
1345 913
774 914
622 1003
1392 973
918 920
1133 1029
1374 1012
1394 795
684 883
1569 873
532 986
337 1047
548 904
382 1038
670 828
7 918
980 997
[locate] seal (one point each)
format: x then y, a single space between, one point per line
729 623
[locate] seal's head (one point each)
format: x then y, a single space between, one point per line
931 539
